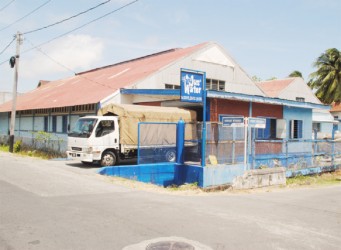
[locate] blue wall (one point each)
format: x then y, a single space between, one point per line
165 174
306 115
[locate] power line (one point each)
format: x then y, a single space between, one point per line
18 20
67 19
67 68
8 4
82 26
8 45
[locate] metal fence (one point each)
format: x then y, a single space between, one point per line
156 142
39 140
224 145
295 154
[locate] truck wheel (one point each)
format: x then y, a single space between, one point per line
108 159
170 155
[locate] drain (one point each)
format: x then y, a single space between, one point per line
170 245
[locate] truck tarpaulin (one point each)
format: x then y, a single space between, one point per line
130 115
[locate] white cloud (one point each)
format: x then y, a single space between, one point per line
75 52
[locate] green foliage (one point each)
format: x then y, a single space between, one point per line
296 73
42 136
17 146
256 79
326 80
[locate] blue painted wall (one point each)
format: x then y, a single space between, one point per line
292 113
166 174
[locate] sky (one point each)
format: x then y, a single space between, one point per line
267 38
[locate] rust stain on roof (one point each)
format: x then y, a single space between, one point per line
94 85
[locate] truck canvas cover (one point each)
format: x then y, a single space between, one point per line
130 115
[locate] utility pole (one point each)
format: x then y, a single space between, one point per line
14 61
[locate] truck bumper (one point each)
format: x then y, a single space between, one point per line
79 156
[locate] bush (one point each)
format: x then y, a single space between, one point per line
17 146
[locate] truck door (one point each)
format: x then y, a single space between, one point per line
107 132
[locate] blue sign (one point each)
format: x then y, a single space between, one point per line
232 121
192 86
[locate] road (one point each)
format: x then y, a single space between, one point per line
63 205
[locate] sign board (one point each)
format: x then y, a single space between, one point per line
192 86
257 122
232 121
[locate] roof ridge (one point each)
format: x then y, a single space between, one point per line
130 60
280 79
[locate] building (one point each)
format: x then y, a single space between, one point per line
296 89
336 112
155 80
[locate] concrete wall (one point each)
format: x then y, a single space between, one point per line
260 178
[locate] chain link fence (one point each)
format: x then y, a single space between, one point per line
39 141
295 154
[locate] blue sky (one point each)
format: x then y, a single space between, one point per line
267 38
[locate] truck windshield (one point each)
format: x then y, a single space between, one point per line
83 127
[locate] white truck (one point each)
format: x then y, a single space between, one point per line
113 134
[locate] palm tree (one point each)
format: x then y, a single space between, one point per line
296 73
327 78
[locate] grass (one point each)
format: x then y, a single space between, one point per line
315 180
25 151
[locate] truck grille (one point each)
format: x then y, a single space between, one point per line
76 149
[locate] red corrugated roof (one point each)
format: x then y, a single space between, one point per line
273 88
94 85
336 107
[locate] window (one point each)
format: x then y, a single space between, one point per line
104 128
64 124
54 123
213 84
171 86
269 132
300 99
296 129
46 123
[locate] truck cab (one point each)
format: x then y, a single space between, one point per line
95 139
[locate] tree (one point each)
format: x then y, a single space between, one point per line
256 78
296 73
327 78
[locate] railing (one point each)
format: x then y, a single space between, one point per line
295 154
39 140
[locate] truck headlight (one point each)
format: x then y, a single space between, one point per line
89 150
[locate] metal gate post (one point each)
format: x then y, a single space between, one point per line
180 141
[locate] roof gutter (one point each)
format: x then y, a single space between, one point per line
229 96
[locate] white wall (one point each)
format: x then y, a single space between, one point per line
236 80
299 89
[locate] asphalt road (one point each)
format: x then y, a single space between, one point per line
63 205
